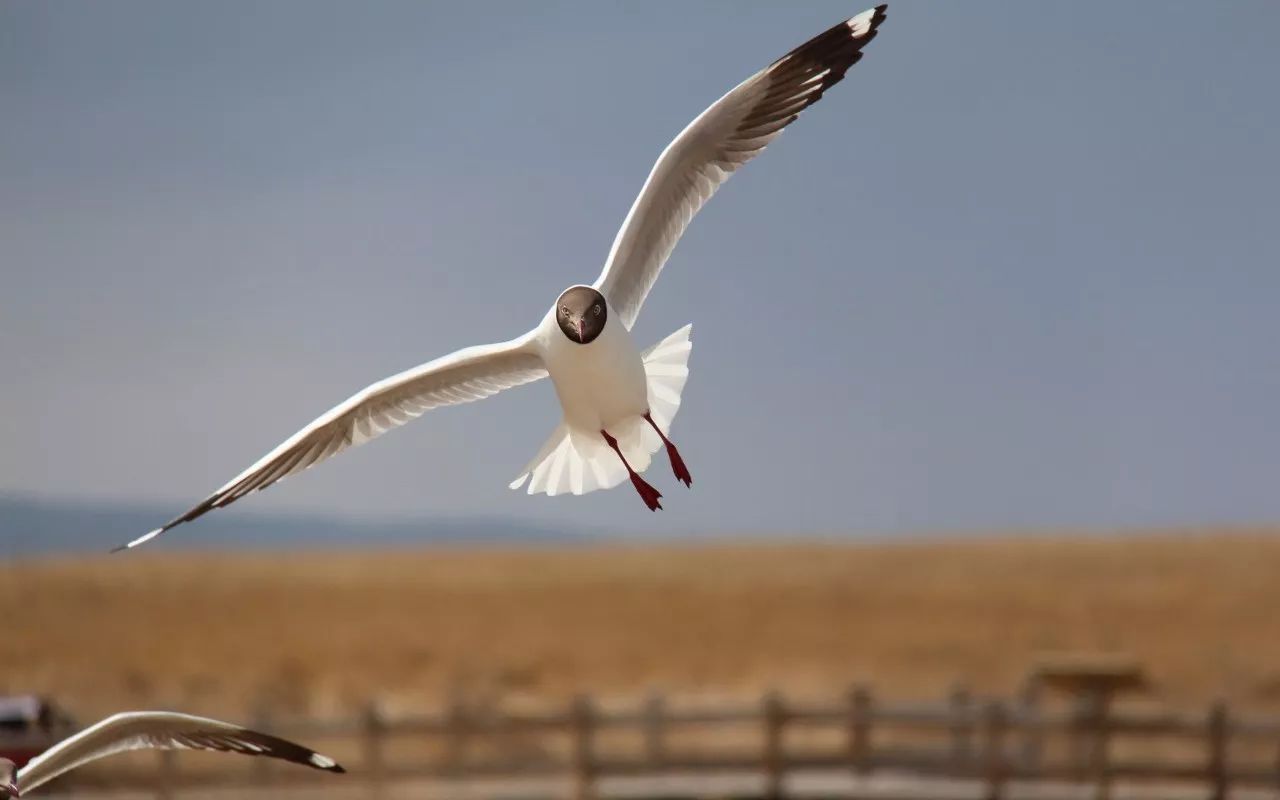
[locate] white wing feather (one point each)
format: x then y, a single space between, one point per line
469 374
161 730
721 139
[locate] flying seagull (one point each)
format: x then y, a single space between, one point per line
156 730
618 400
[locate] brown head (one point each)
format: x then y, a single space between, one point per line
581 313
8 778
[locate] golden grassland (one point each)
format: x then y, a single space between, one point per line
326 632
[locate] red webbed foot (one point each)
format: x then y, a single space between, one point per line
678 467
647 493
677 463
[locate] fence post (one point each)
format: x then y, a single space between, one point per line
774 760
859 724
1217 731
996 722
375 768
1032 725
1077 729
1278 771
961 728
455 735
168 768
654 732
582 722
1100 758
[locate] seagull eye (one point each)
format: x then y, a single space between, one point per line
597 309
564 310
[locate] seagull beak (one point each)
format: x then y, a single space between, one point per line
12 788
581 334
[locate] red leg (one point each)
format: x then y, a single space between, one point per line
677 463
647 493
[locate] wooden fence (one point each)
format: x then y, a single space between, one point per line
983 742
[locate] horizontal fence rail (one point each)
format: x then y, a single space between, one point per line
985 743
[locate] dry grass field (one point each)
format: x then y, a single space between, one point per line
324 632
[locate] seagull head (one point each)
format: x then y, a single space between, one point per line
581 313
8 778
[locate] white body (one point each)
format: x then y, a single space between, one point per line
606 385
600 383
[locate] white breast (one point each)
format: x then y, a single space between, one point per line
599 384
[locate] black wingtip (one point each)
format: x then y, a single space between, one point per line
877 17
322 762
275 747
146 537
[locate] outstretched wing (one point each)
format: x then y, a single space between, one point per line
723 138
469 374
139 730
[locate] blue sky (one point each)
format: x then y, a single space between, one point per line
1020 269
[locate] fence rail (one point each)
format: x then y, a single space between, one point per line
986 742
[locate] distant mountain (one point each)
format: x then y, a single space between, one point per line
30 526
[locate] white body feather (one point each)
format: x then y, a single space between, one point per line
606 385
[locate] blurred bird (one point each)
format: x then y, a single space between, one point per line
156 730
618 401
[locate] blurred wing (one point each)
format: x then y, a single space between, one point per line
469 374
140 730
723 138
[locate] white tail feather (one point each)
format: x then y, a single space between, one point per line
571 463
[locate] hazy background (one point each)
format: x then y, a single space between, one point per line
1019 273
1019 269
